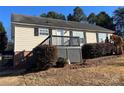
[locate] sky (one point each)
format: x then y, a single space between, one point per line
6 11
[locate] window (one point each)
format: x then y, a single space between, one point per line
60 32
102 37
80 35
59 38
57 32
41 31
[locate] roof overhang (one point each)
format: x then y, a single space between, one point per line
66 28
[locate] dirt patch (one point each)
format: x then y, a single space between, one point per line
10 81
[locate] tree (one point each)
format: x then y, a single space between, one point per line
119 16
118 19
2 29
3 38
54 15
70 17
43 15
10 46
78 15
61 16
104 20
92 18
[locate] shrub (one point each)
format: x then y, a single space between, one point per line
61 62
97 50
45 56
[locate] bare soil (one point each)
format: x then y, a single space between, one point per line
106 72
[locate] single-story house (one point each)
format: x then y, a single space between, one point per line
29 31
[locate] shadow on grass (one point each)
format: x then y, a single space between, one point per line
20 72
116 64
17 72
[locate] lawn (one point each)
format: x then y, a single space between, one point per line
108 72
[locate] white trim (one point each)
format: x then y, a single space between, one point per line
106 31
41 31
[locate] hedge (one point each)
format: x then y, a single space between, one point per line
94 50
45 56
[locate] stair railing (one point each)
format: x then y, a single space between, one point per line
25 58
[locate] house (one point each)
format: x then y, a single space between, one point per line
29 31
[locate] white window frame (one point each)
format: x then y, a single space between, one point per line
81 36
101 38
43 31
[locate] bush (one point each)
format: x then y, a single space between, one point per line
61 62
97 50
45 56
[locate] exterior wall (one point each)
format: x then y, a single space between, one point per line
91 37
25 39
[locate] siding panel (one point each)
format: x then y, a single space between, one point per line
25 39
91 37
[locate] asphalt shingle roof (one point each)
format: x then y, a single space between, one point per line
56 22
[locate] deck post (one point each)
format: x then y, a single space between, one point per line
71 35
97 37
50 34
85 38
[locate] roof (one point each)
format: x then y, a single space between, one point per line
24 19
